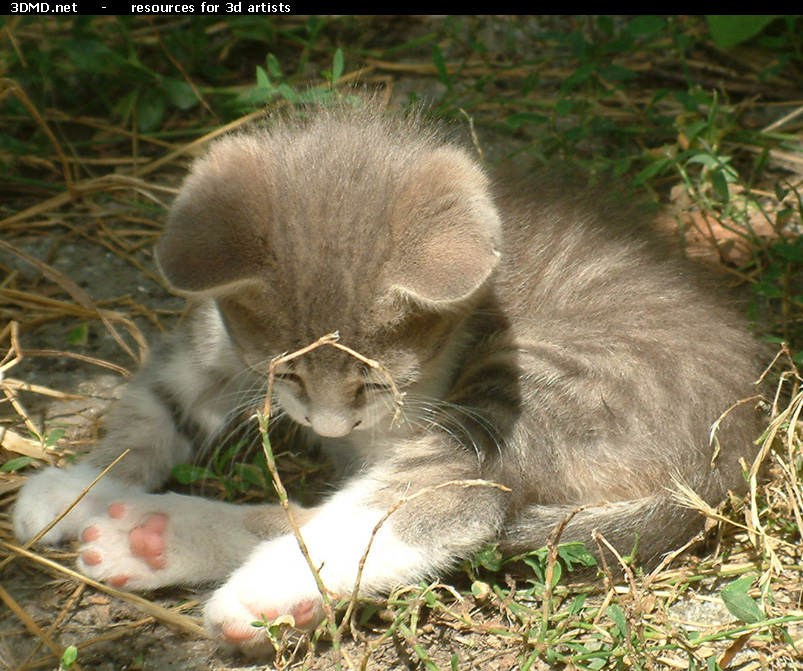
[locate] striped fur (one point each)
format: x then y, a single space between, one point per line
543 338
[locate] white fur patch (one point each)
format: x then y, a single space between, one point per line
203 541
278 578
338 537
47 494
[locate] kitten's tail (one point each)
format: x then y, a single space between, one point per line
652 526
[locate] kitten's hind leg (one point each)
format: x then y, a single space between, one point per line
147 541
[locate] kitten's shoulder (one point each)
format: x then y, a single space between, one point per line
565 200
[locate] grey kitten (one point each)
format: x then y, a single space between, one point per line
543 339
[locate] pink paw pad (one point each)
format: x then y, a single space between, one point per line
147 541
118 581
91 557
303 614
117 510
90 534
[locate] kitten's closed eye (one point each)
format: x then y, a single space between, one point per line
505 314
296 383
375 387
290 379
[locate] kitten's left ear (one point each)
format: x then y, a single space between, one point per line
451 230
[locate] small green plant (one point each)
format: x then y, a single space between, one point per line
280 634
650 97
730 30
740 604
68 658
227 470
79 336
271 86
15 464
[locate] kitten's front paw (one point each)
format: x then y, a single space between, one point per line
154 540
47 494
126 547
276 581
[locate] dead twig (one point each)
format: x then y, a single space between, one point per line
188 625
67 510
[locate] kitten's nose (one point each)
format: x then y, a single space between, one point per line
331 423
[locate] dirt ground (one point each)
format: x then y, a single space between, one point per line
114 635
46 609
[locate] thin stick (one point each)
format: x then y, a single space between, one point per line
169 617
153 165
71 601
332 339
552 543
66 511
14 354
264 419
76 293
79 357
123 629
27 620
10 86
393 509
284 501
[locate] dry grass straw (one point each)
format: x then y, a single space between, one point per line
26 308
639 596
164 615
757 537
337 631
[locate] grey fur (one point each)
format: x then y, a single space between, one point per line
545 340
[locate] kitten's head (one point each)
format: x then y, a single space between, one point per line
352 222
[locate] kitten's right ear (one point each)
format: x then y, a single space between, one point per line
212 242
